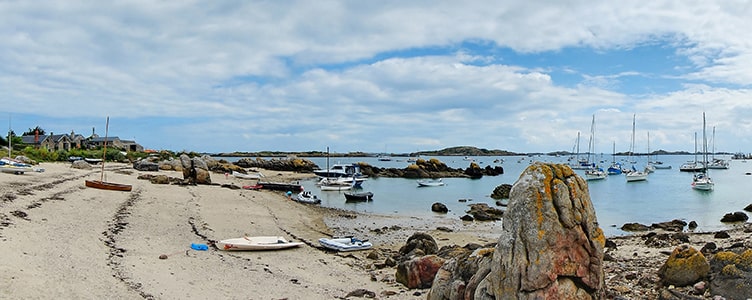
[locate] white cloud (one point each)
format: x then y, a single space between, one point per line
298 75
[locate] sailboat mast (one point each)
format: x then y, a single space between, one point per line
104 152
10 145
704 146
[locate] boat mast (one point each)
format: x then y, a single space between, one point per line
10 146
704 147
104 152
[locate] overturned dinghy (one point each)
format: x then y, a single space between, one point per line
345 244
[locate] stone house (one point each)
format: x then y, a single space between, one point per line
66 142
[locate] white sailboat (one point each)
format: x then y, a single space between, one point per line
702 181
649 167
594 172
634 174
717 163
10 165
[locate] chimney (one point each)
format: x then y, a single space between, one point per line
36 136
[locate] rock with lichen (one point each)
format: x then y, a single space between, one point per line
550 246
684 267
731 274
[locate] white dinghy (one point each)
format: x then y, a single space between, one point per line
345 244
256 243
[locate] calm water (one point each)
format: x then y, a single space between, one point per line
665 196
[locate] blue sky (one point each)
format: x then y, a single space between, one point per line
380 76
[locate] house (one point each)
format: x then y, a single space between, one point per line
54 142
114 142
66 142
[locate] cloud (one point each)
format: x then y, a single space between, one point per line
297 75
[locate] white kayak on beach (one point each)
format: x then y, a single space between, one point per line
256 243
345 244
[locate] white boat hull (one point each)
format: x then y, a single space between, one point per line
345 244
251 243
636 176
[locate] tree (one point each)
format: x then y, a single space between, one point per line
34 131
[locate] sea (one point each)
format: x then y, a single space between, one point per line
665 196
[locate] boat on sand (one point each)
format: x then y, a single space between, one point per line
345 244
249 243
101 184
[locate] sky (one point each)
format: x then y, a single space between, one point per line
382 76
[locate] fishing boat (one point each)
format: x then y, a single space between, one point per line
250 243
701 180
430 182
101 184
358 197
345 244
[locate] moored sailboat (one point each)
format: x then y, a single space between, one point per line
701 180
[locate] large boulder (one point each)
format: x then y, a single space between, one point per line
684 267
419 244
731 274
737 216
550 246
146 165
195 170
461 273
418 272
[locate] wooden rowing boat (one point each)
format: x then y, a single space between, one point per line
103 185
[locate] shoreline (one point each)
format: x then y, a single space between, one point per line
56 234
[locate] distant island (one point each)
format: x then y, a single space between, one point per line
452 151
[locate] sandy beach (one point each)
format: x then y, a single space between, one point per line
60 239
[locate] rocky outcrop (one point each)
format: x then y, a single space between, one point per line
431 168
195 170
146 165
684 267
439 207
278 164
461 273
551 246
80 164
738 216
731 274
501 191
483 212
418 261
418 272
418 244
474 171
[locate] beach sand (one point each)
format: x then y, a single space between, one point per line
60 239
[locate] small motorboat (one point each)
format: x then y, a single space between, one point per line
256 243
432 182
363 196
345 244
307 197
